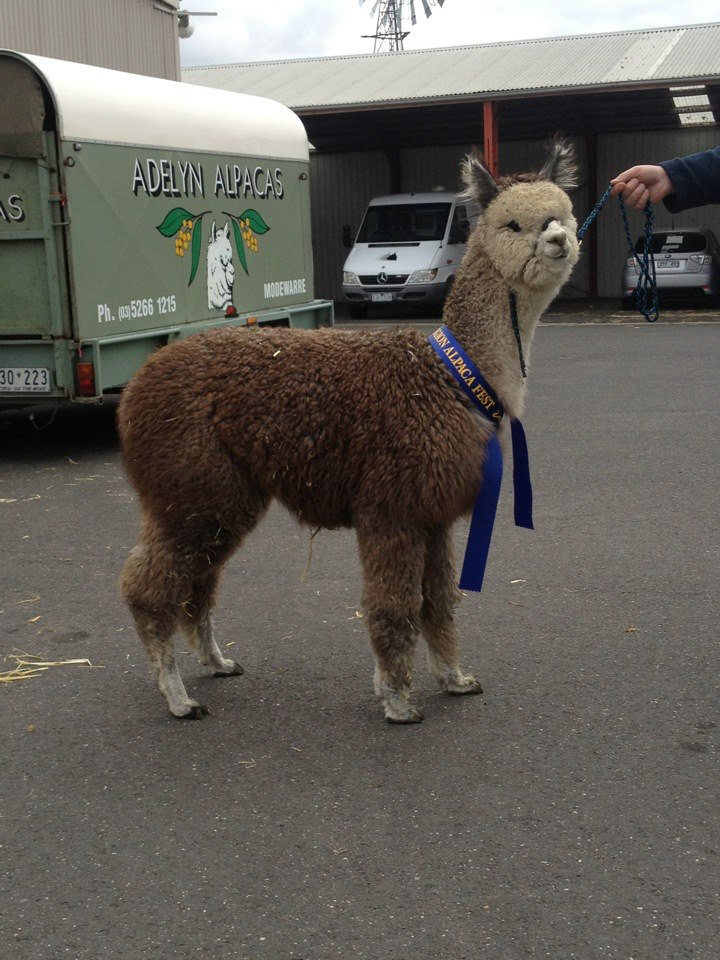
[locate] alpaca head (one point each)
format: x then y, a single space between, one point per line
527 226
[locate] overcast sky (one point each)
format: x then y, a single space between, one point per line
247 30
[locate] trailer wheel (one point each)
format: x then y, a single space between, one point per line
357 311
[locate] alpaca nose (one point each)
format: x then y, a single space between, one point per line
553 235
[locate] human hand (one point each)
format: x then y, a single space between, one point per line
642 183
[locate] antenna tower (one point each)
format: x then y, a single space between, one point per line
392 26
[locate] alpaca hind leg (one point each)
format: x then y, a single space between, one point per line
201 635
158 641
219 542
149 584
392 562
440 596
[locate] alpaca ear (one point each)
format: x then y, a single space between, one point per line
226 229
561 165
479 184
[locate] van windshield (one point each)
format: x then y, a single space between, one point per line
404 223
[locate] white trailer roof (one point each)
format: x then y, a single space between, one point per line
96 104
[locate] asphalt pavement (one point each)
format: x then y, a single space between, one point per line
570 812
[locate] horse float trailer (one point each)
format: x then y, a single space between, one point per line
135 211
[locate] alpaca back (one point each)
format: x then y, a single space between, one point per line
330 423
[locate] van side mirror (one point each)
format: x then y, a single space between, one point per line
347 236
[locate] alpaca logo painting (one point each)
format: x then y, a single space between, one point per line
186 228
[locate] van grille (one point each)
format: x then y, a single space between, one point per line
372 279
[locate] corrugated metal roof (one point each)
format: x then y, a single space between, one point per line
588 62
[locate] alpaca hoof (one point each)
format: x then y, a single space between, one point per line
410 715
194 712
233 669
465 685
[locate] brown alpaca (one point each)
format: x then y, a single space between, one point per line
346 430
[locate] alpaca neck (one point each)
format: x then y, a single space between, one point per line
485 330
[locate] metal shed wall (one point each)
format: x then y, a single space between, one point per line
137 36
342 184
340 187
617 152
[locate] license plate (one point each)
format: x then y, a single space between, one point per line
667 264
381 297
25 380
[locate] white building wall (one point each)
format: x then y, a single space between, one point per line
136 36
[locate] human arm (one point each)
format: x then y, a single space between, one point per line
681 183
695 180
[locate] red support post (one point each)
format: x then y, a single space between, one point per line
490 134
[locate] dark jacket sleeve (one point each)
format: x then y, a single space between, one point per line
695 179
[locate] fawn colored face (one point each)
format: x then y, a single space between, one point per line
529 231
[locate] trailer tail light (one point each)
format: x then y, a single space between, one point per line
231 311
85 377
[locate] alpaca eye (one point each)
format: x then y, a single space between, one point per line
514 226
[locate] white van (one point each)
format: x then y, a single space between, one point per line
407 251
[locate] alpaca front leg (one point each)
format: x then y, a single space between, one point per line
394 646
392 566
440 596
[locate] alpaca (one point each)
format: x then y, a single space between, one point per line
346 429
220 269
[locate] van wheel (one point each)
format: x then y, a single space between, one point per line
446 291
357 312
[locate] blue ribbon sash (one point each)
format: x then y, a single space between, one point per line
483 516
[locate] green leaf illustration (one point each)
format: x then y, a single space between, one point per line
195 247
257 224
173 221
240 245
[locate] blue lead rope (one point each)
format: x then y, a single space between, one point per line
646 290
483 516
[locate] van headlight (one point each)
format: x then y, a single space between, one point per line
422 276
350 278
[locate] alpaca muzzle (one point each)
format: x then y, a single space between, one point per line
553 241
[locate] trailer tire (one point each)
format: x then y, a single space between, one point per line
357 311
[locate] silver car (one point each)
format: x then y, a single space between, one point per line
687 266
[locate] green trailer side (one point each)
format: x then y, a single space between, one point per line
134 212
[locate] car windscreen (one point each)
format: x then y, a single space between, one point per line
674 243
404 223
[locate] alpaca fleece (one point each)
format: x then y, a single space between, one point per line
345 430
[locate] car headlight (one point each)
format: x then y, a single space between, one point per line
422 276
350 278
